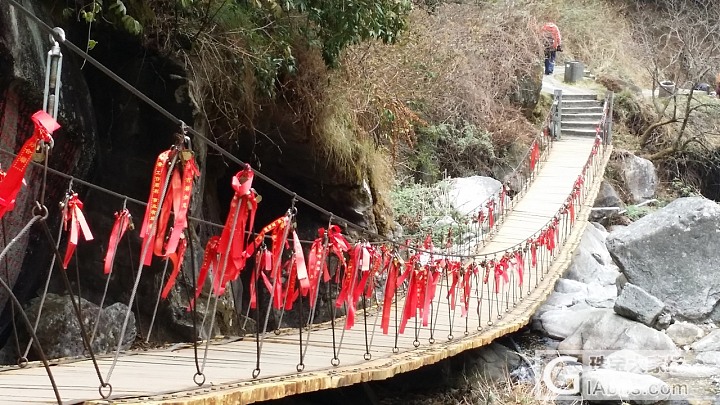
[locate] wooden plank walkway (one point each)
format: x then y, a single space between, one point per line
166 376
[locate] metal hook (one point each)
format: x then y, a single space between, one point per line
124 207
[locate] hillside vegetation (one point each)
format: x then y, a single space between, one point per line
396 94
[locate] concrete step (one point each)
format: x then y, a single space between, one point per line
579 97
580 103
577 132
571 123
596 117
581 110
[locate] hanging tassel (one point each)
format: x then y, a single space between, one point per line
11 183
123 222
75 221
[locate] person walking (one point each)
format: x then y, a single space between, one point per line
553 44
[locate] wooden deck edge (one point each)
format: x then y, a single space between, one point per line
247 392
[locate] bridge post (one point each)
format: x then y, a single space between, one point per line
610 96
557 114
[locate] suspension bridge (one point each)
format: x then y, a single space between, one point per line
446 303
396 306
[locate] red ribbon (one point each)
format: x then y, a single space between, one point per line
534 155
13 180
123 222
298 275
501 267
209 261
177 201
75 220
491 217
272 274
519 265
176 258
242 214
393 266
148 229
467 287
359 261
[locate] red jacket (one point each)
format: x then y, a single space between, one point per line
552 32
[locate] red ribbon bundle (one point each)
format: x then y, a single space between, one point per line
393 268
534 155
177 200
272 266
501 271
298 275
491 216
359 261
317 258
233 240
466 286
75 220
123 222
10 184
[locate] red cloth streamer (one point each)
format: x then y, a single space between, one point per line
123 222
519 263
393 267
491 216
534 155
501 267
466 286
75 220
242 214
10 184
298 275
209 261
359 261
176 258
177 201
272 267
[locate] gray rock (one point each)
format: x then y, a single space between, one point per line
611 385
663 320
466 194
620 282
564 285
585 268
636 304
608 197
556 301
603 329
639 176
711 357
601 296
493 362
688 371
561 323
672 254
59 330
632 362
711 342
684 333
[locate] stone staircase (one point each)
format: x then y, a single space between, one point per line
581 114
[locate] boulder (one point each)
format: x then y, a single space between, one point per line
691 371
639 176
608 197
565 285
672 254
636 304
711 357
493 362
711 342
561 323
633 362
600 296
611 385
607 203
59 330
684 333
603 329
467 194
585 268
